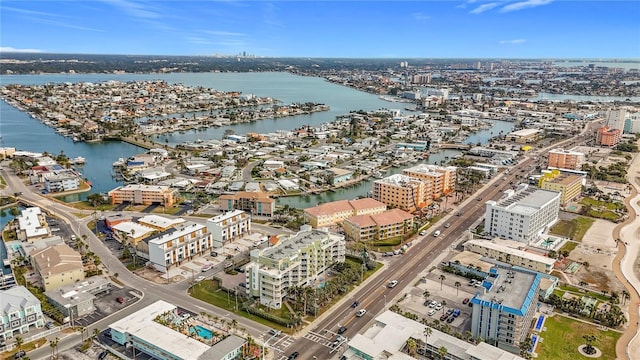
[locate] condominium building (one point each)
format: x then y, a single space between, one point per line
332 213
389 333
178 244
229 226
298 260
144 194
608 137
57 265
19 310
504 310
61 182
524 136
254 202
506 251
523 214
390 224
402 191
569 185
616 118
566 159
32 225
440 180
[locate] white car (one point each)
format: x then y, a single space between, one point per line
361 312
431 312
392 284
438 306
433 304
200 278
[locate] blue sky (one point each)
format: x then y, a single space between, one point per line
354 29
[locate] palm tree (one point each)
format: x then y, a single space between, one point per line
442 352
427 332
54 345
95 332
443 302
442 277
625 296
457 285
19 342
426 295
412 346
526 346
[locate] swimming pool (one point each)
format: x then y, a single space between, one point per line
539 323
202 332
534 340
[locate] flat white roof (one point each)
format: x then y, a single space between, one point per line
141 324
182 229
495 245
133 229
160 221
30 222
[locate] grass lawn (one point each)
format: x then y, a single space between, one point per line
608 205
564 335
577 291
569 246
607 215
574 229
26 347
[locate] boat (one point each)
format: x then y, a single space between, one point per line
77 160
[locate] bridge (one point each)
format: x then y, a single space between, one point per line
455 146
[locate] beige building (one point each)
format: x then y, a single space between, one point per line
439 180
57 265
525 136
568 185
378 227
144 194
402 191
254 202
511 252
7 152
566 159
332 213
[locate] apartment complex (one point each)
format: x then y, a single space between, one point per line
57 265
61 182
175 245
377 227
608 137
402 191
505 309
32 225
144 194
19 310
616 118
388 336
566 159
298 260
568 185
334 212
505 251
523 214
254 202
227 227
439 180
524 136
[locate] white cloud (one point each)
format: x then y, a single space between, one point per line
420 16
135 9
514 41
223 33
485 7
12 49
524 5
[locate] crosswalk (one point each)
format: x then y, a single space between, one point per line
282 342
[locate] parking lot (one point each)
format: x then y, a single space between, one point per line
107 304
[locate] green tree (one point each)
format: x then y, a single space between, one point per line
442 278
457 285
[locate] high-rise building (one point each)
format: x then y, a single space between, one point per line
402 191
566 159
608 137
440 180
616 118
522 215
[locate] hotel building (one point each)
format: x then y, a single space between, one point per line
501 251
227 227
19 310
332 213
377 227
566 159
256 203
568 185
440 180
178 244
402 191
504 310
608 137
297 261
144 194
522 215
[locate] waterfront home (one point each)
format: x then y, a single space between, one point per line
57 265
32 225
19 311
144 194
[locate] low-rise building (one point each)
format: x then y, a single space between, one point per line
160 223
19 311
131 232
256 203
229 226
144 194
568 185
511 252
178 244
76 300
390 224
61 182
523 214
32 225
114 219
295 261
524 136
57 265
505 309
388 335
340 175
335 212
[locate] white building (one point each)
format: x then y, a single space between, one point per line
507 251
32 225
522 215
61 182
228 226
299 260
616 118
178 244
388 335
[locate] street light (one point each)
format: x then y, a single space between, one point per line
385 300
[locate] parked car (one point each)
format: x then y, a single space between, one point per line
20 354
392 284
433 304
103 355
120 299
342 329
450 319
466 300
214 253
431 312
361 312
50 325
423 232
438 306
444 317
456 313
293 355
